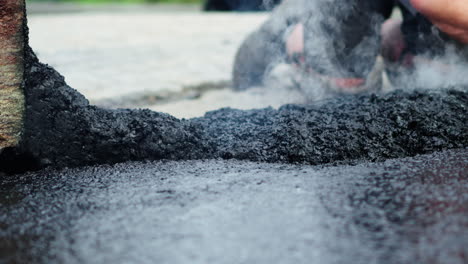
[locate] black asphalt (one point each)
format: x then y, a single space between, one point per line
63 130
412 210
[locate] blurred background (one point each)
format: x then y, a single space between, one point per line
120 1
166 55
220 5
51 6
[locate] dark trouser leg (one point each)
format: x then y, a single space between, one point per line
239 5
216 5
259 51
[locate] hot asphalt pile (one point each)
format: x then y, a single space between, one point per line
63 130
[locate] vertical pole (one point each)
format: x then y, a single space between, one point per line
12 19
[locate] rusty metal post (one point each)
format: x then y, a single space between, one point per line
12 41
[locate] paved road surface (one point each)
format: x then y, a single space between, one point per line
413 210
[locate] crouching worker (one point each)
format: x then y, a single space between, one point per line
338 42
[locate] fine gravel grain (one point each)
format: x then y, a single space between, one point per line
404 211
63 130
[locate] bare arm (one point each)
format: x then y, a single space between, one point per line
449 16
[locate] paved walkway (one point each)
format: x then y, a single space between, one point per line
115 58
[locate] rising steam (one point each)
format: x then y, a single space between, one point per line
326 51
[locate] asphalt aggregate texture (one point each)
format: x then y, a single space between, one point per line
411 210
63 130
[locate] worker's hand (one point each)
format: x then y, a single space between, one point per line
450 16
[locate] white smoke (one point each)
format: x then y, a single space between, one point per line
440 72
321 45
449 70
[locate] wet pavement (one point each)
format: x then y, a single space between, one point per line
412 210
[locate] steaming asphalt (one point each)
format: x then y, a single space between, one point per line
412 210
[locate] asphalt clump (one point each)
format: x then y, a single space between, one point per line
63 130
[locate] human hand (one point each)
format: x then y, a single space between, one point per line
450 16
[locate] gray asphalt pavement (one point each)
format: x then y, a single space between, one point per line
412 210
